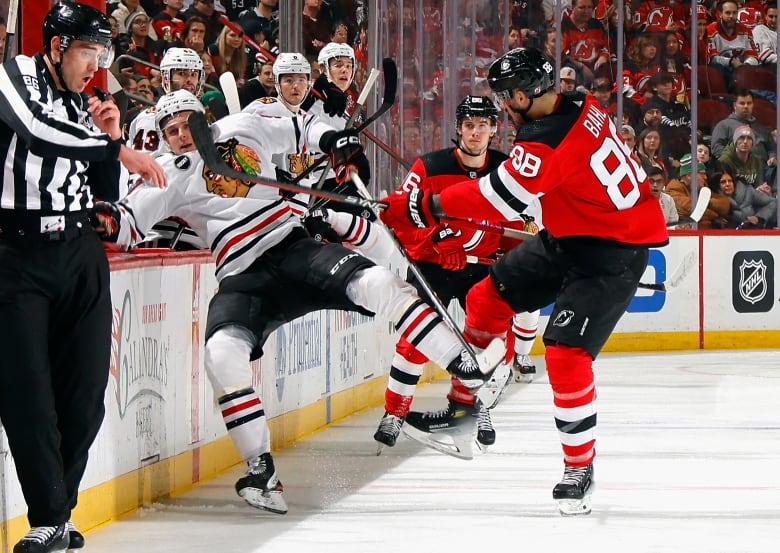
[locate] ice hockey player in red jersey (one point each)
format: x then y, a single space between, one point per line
440 254
600 220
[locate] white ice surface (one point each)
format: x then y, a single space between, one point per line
688 461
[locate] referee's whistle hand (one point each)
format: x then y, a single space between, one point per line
144 165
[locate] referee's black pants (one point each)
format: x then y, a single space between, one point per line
55 339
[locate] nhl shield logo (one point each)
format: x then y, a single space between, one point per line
752 281
753 276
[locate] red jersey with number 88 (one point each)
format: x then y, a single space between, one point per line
577 163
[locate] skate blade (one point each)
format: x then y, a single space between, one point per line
379 447
482 448
459 447
574 507
272 501
490 393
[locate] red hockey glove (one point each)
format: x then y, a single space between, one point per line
447 244
346 154
408 209
105 219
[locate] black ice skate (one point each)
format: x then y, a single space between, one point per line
388 431
75 537
451 430
44 539
260 487
474 375
486 434
573 492
524 368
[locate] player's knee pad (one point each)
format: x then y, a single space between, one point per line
570 369
381 291
226 360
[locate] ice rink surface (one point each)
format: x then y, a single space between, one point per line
688 460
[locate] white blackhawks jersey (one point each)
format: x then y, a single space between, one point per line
295 130
338 122
239 220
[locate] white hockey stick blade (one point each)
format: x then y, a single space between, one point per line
490 393
458 444
227 82
701 203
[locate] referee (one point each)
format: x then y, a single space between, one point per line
58 148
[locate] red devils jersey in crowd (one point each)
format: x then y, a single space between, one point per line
433 172
577 161
584 45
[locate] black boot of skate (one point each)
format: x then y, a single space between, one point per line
523 368
451 430
76 538
387 432
486 434
260 487
44 539
573 492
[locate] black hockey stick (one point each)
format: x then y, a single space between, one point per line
382 145
204 141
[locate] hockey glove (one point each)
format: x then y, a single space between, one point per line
346 154
446 242
105 219
316 224
334 101
405 209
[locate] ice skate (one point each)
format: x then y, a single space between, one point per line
490 392
44 539
486 434
524 368
76 539
573 492
451 430
388 431
475 375
260 487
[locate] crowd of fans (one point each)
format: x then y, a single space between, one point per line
734 58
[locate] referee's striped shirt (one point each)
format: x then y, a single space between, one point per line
47 141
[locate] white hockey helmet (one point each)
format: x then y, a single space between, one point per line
173 103
290 63
180 58
335 50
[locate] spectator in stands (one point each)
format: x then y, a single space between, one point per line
228 54
629 136
749 207
765 36
527 16
167 24
657 185
124 10
642 63
675 117
702 21
655 17
704 155
340 32
730 43
584 40
649 150
316 29
194 34
676 64
651 118
568 79
260 86
205 10
716 214
515 38
266 13
141 45
723 132
741 163
144 89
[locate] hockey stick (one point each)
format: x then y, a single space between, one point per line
702 202
382 145
204 141
10 28
270 56
227 81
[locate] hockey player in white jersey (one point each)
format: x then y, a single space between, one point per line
180 69
269 271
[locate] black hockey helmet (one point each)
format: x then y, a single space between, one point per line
73 21
476 106
525 68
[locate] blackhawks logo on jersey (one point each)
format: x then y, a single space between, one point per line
239 157
297 163
267 100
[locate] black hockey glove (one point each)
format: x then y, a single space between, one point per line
316 224
346 154
105 219
334 101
